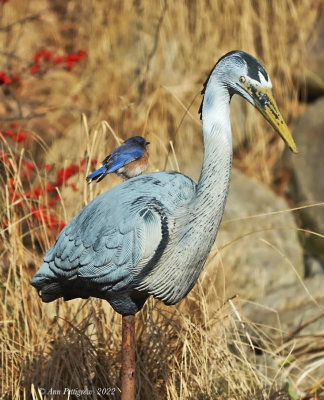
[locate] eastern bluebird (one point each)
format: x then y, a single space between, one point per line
128 160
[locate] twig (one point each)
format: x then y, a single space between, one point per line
26 117
242 323
11 55
154 48
303 325
33 17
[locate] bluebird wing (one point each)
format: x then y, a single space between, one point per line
122 156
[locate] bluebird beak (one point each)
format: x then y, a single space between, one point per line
266 104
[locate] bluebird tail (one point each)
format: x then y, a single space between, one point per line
97 175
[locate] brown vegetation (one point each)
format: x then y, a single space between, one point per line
144 69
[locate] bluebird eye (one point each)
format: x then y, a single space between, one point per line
242 79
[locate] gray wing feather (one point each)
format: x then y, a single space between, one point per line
69 247
76 254
103 256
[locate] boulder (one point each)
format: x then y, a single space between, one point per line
257 242
307 170
293 318
297 307
314 60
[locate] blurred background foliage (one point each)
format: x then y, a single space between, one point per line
142 68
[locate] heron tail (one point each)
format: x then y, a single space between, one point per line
46 287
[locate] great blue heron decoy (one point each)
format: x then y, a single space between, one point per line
151 234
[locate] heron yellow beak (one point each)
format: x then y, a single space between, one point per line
266 104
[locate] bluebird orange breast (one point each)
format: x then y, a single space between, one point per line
134 168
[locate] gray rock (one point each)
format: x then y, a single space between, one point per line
308 173
291 307
314 61
313 266
292 317
259 248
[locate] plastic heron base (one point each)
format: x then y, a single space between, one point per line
128 358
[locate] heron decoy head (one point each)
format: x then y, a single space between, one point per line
244 75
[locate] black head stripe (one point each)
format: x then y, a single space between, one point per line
254 67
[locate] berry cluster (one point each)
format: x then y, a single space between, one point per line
46 193
44 59
20 180
42 62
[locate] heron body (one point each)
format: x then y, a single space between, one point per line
151 235
127 160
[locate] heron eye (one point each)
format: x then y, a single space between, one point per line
242 79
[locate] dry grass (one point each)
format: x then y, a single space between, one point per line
143 74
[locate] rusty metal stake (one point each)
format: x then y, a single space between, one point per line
128 358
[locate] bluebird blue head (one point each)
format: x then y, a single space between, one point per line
137 141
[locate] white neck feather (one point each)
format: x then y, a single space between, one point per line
214 180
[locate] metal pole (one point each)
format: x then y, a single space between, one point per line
128 358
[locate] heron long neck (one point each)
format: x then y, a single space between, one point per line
212 188
198 222
205 212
